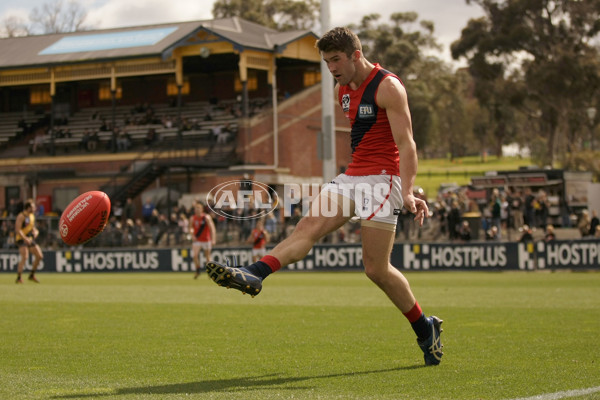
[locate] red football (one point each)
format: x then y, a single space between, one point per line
84 218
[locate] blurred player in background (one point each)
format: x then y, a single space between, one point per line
258 238
25 235
204 235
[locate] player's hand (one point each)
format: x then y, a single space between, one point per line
417 207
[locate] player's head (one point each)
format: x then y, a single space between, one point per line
29 207
198 207
341 50
339 40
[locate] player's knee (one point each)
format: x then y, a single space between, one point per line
375 272
307 229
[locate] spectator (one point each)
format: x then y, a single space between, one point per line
93 141
184 228
454 219
151 137
496 210
549 236
594 223
123 140
542 206
529 208
584 223
85 140
516 210
117 210
526 234
465 232
129 209
147 210
492 233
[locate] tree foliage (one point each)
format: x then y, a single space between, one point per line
51 17
437 96
55 17
537 57
282 15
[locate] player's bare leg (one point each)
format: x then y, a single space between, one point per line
377 240
37 254
24 253
294 248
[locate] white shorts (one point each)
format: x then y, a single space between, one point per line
376 198
260 252
202 245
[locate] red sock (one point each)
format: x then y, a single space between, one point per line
414 314
272 262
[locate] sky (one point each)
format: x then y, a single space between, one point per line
449 16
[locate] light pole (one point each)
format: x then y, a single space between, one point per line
591 113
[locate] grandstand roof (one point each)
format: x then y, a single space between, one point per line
140 41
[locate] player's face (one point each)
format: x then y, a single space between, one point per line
198 208
340 65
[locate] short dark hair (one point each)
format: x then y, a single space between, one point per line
339 39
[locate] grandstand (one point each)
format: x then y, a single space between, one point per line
181 105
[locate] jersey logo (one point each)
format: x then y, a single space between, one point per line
366 111
346 102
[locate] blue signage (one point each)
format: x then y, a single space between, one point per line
108 41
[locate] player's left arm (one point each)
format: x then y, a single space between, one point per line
213 230
391 95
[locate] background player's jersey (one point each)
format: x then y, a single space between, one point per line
27 228
258 239
374 151
201 228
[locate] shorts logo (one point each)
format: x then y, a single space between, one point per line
346 102
397 211
366 111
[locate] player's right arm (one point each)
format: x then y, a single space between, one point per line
18 228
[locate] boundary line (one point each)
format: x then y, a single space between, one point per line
562 395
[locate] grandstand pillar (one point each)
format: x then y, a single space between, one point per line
52 96
245 105
113 140
179 129
52 133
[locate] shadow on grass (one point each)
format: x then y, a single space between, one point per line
240 384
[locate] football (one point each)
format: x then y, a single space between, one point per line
84 218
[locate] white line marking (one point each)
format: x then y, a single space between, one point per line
562 395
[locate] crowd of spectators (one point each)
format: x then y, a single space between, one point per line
103 135
504 215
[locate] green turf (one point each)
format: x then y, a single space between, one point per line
307 336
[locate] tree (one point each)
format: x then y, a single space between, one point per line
282 15
52 17
552 43
435 93
13 26
55 17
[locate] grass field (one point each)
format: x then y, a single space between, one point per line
307 336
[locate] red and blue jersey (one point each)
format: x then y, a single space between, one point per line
374 151
201 228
